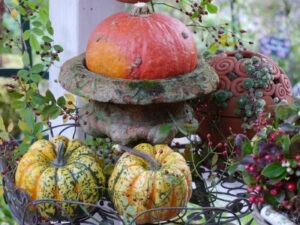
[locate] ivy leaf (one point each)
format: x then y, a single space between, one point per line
34 42
37 68
273 170
165 128
18 104
211 8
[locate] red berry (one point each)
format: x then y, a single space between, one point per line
161 151
210 143
261 199
166 171
208 136
254 156
242 31
298 157
291 186
252 198
258 188
284 203
279 185
250 189
219 145
290 206
268 157
247 167
252 168
224 153
274 192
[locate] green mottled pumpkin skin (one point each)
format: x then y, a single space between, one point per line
148 189
42 180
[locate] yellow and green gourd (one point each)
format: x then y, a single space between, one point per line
158 178
61 169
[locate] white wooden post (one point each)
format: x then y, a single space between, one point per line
73 21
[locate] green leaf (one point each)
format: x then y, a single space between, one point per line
58 48
286 144
26 35
55 113
38 128
18 104
233 168
125 201
280 196
39 99
49 109
213 47
36 78
277 179
30 4
44 15
295 137
2 126
61 101
270 199
50 96
214 159
37 68
165 128
37 23
298 185
49 28
34 42
47 39
273 170
249 180
37 31
247 147
15 95
25 58
23 73
29 118
29 136
22 148
211 8
130 210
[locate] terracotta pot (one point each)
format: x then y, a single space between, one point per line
232 73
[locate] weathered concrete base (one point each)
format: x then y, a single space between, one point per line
126 124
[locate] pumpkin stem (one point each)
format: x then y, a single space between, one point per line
148 158
60 152
140 9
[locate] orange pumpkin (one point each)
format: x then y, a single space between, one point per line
141 45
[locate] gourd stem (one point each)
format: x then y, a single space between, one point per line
60 152
145 156
140 9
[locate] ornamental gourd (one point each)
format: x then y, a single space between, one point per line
61 169
150 177
141 45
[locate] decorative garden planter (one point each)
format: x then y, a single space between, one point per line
129 110
232 73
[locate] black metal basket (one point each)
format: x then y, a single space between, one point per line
204 211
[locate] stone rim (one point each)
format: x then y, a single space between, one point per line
77 79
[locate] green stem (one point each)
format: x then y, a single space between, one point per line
60 152
148 158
